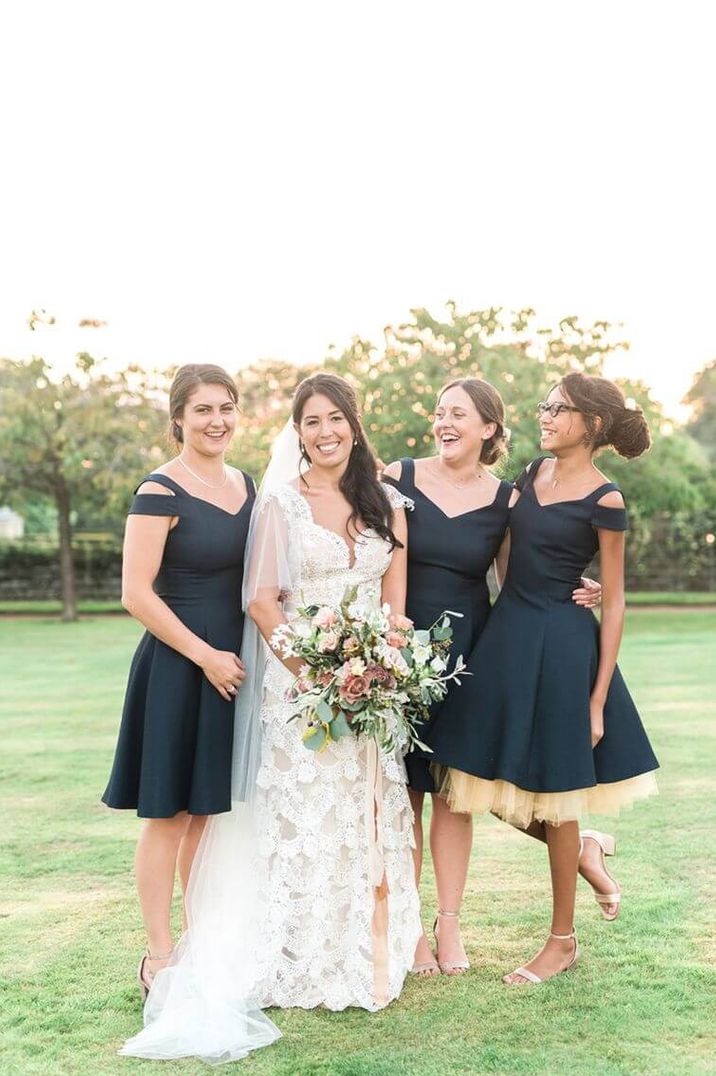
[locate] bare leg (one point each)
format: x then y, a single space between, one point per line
155 866
450 844
187 851
556 955
591 866
423 952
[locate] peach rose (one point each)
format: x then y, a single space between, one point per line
328 642
325 617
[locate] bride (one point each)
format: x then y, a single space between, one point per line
304 894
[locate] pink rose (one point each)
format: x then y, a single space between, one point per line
394 638
325 678
350 644
328 642
325 617
355 687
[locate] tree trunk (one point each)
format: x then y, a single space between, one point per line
67 568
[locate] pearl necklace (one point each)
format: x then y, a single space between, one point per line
203 480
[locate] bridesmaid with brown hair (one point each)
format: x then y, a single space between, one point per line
546 728
182 577
456 531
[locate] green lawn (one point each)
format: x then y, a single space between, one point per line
89 605
641 1001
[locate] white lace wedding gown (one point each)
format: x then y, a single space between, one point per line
317 928
321 942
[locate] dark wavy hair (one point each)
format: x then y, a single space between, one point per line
624 429
359 483
186 381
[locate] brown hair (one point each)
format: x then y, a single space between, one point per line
186 380
623 428
490 407
359 483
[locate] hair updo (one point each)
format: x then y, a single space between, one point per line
186 381
622 428
490 407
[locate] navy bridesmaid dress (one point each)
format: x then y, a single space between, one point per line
175 739
522 720
448 560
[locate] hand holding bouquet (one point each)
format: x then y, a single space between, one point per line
366 672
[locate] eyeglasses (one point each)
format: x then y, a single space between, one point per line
555 409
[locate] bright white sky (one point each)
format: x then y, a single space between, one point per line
227 181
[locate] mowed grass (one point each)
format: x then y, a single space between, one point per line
641 1000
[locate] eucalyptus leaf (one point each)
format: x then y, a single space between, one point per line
340 726
352 707
315 737
323 711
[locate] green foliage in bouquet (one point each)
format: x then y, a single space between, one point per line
365 672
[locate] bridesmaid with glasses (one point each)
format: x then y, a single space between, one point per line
546 727
456 531
182 576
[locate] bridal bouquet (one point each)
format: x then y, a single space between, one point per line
364 674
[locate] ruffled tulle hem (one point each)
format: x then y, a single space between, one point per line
466 794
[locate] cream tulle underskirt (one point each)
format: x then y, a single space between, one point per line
465 793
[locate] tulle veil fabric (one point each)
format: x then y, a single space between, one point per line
201 1004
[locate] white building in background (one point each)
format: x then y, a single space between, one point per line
12 525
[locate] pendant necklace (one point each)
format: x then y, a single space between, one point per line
461 486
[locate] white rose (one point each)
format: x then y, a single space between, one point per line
421 654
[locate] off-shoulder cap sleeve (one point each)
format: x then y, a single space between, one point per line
610 518
395 497
155 504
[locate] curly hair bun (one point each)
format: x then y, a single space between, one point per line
611 421
630 435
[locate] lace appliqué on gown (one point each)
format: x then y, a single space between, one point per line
319 946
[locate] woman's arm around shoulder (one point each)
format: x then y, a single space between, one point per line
393 470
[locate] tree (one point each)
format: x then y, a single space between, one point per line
265 392
82 442
508 349
702 397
